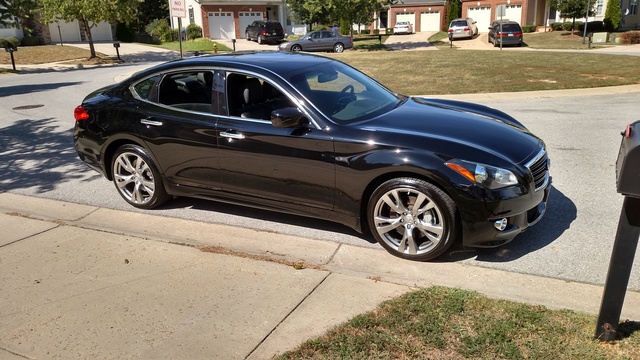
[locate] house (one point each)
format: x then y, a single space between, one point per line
423 15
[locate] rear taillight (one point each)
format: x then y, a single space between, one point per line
517 34
80 113
467 29
450 30
264 32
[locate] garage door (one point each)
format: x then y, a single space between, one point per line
102 32
482 16
70 31
221 25
247 18
407 16
430 21
514 12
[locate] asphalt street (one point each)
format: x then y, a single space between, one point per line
573 241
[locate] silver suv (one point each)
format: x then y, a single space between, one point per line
463 28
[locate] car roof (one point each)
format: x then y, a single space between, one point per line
274 61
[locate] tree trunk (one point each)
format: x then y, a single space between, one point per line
87 30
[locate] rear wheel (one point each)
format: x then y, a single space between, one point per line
412 219
339 47
137 177
260 41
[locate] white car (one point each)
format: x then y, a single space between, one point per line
403 27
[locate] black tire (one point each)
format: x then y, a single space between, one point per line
432 224
246 36
137 178
338 47
296 48
259 40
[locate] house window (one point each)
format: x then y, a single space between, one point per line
599 6
633 7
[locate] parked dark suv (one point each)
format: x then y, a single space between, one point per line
510 33
265 31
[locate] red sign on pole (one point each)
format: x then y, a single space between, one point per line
178 8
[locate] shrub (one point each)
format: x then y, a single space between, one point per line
13 41
592 26
630 37
567 26
318 27
3 42
529 28
365 31
194 31
174 35
160 29
124 33
32 41
556 26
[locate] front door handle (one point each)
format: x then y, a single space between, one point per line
151 122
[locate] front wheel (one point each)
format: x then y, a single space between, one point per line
412 219
137 177
296 48
339 47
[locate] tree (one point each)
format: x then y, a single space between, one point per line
334 11
22 10
89 13
612 16
454 11
573 9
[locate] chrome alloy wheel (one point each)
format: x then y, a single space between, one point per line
133 178
409 221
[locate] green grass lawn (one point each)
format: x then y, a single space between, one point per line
443 323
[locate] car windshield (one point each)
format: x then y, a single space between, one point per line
342 93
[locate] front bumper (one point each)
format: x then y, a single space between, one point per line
519 216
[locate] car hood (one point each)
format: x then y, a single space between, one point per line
475 127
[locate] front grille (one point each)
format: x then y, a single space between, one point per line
539 168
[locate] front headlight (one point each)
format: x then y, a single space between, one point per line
488 176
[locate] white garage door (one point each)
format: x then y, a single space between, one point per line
514 12
408 16
70 31
247 18
482 16
102 32
221 25
430 21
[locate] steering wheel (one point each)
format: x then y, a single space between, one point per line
346 96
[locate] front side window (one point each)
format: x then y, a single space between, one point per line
342 93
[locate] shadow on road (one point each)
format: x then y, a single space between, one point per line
34 153
28 89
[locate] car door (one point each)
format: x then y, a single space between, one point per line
289 168
327 40
179 127
314 43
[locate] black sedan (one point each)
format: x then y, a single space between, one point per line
324 40
310 135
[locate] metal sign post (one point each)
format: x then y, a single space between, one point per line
178 8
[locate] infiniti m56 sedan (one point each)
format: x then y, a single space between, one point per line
312 136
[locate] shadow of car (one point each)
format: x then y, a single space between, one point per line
323 40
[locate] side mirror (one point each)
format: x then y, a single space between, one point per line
289 117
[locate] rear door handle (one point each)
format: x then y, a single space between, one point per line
151 122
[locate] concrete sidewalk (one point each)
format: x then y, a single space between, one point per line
84 282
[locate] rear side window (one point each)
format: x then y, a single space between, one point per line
143 89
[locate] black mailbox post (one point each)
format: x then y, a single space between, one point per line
117 46
450 34
624 247
10 49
